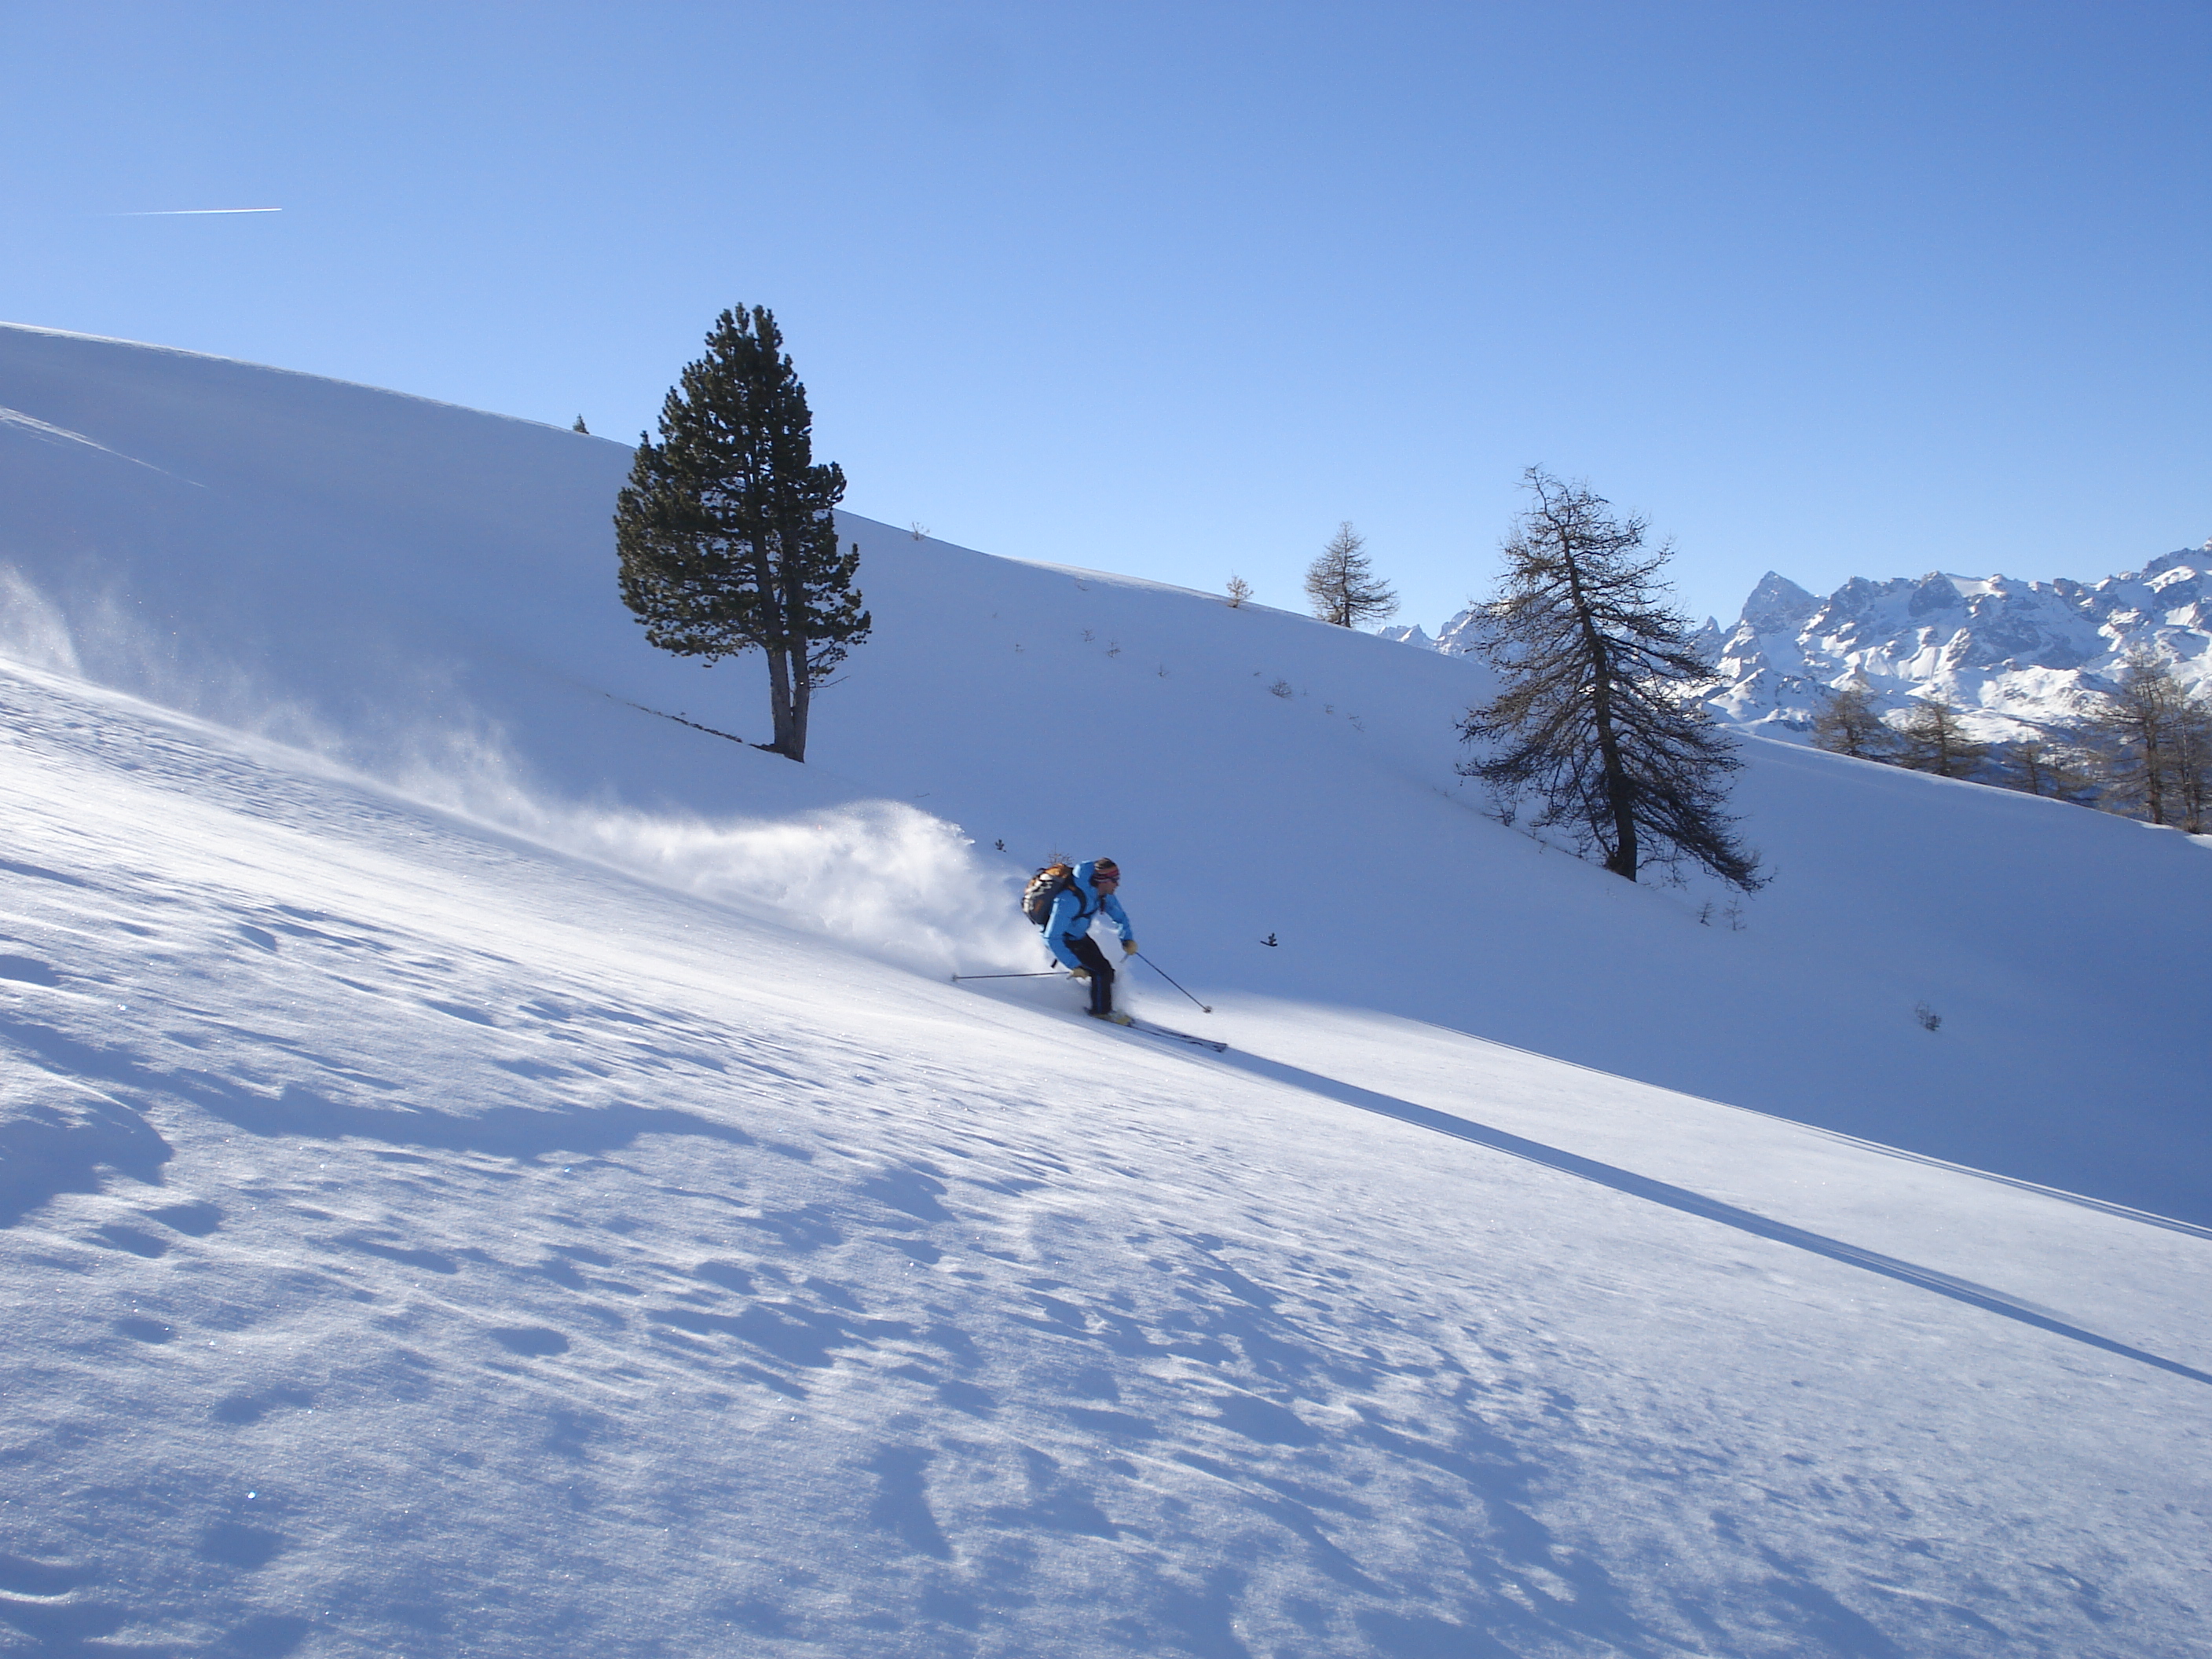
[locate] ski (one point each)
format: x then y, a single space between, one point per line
1150 1030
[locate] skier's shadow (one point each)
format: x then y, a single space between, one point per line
1696 1204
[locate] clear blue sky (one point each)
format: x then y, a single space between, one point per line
1840 289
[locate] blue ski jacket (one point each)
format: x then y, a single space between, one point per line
1072 910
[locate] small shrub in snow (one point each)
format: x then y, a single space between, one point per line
1281 689
1239 590
1929 1018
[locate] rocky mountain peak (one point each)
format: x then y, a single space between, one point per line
2013 655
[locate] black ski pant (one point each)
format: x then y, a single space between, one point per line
1084 949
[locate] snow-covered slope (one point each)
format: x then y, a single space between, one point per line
428 593
506 1172
419 1242
2015 656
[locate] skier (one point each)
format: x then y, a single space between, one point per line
1091 889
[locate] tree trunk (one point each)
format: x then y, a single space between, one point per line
1620 794
788 653
802 700
789 737
788 683
2153 764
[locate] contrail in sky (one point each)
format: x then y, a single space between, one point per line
181 213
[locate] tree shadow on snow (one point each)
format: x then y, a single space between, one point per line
1696 1204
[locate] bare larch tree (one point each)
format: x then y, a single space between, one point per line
2153 742
2039 764
1936 740
1600 717
1342 585
1848 723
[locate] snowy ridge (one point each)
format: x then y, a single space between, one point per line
487 1168
1457 638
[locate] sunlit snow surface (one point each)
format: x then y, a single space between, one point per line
427 593
510 1175
425 1244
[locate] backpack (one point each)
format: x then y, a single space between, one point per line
1047 885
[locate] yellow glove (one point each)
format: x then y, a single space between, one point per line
1078 973
1129 947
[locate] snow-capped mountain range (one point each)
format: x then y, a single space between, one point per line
2014 656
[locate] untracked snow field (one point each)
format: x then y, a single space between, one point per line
422 1241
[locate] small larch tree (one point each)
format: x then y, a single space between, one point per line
1848 723
1343 585
1600 717
1934 740
728 530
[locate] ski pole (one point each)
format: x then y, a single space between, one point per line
1046 972
1164 974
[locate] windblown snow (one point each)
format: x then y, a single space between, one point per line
488 1167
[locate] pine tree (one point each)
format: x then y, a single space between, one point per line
1599 715
581 427
726 531
1848 723
1343 585
1935 741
